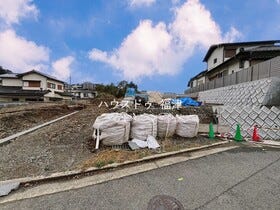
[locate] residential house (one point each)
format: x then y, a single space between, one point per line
31 86
85 90
227 58
198 79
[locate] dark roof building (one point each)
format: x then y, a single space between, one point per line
234 46
31 86
228 58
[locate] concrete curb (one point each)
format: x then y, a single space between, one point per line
60 175
9 138
268 143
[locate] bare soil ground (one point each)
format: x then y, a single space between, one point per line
66 144
16 119
205 113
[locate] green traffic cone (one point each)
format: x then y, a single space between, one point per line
211 134
238 136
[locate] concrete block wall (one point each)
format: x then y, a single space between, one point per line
254 93
268 119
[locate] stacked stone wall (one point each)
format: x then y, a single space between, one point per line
267 120
248 104
255 93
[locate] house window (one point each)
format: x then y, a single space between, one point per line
219 75
1 82
59 87
229 53
51 85
215 60
241 64
34 83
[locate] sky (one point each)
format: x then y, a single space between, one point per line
157 44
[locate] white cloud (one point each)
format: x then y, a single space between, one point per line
62 67
98 55
11 11
232 35
278 1
138 3
146 51
195 26
19 54
155 49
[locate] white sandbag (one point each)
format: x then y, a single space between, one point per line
152 142
114 128
166 125
143 125
187 125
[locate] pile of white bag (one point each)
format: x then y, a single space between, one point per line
112 128
117 128
143 125
187 125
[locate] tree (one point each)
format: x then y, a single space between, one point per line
118 91
4 71
122 84
132 85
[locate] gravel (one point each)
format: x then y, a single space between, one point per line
54 148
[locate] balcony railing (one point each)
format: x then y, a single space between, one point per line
269 68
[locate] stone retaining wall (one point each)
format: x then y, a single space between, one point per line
255 93
247 116
248 104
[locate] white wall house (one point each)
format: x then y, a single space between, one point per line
216 58
31 85
227 58
34 80
10 80
198 79
85 90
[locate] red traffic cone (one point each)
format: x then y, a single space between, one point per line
255 136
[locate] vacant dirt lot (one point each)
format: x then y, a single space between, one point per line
64 145
14 120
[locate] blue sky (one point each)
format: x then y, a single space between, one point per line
158 44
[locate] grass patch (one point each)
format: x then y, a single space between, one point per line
111 161
106 155
100 164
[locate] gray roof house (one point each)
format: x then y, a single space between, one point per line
228 58
31 86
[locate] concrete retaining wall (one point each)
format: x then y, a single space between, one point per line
257 93
247 116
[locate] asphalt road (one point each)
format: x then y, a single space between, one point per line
242 178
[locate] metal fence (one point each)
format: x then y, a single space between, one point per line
269 68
